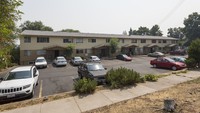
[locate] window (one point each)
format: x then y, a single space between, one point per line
79 51
143 41
67 40
79 40
153 41
173 41
43 39
27 53
27 39
122 40
92 40
159 41
164 41
134 41
107 40
41 52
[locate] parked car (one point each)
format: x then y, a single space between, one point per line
123 57
60 61
165 62
19 83
92 70
178 59
178 52
41 62
94 59
76 60
156 54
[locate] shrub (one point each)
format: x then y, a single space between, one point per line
142 79
85 86
151 77
190 62
194 53
122 77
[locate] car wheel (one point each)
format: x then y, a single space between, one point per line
174 68
154 65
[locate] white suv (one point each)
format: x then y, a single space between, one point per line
19 83
41 62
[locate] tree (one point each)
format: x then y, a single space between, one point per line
194 52
143 31
37 25
114 45
70 30
69 50
175 32
9 14
134 32
192 27
124 33
155 31
130 32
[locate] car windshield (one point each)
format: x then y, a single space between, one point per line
40 60
78 58
94 58
18 75
61 58
170 60
95 67
125 56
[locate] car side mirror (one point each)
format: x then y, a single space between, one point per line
36 74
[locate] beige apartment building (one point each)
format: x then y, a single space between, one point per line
51 44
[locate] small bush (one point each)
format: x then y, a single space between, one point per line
122 77
151 77
142 79
85 86
190 62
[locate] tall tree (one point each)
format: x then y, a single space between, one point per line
9 14
143 31
155 31
130 32
192 27
70 30
134 32
37 25
175 32
124 33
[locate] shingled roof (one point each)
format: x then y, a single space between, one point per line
88 35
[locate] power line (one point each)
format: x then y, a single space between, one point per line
172 11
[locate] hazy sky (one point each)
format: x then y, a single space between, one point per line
108 16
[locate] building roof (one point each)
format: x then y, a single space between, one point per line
88 35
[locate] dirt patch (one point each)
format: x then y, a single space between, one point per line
186 96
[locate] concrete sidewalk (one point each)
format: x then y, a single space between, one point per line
78 104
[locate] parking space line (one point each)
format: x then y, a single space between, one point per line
40 93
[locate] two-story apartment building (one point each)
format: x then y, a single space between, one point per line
51 44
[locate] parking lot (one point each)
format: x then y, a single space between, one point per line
55 80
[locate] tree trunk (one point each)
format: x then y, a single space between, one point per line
169 105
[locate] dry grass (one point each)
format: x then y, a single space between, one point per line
186 96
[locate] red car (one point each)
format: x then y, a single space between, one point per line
165 62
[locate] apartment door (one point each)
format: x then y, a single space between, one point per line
56 53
